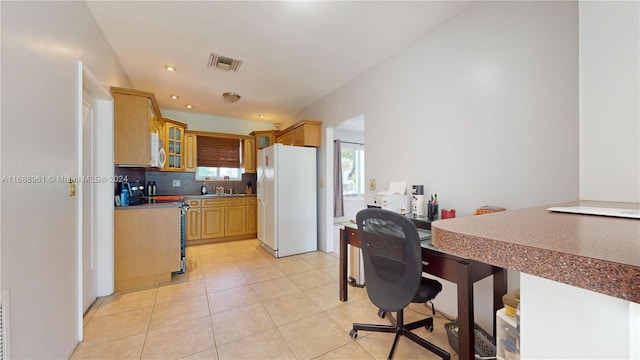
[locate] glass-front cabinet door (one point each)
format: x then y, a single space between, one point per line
264 141
174 146
264 138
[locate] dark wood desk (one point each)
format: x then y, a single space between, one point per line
463 272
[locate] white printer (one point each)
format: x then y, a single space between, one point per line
394 202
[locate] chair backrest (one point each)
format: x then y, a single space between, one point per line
392 257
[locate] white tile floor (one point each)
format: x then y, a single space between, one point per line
238 302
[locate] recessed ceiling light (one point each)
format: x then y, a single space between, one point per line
261 116
189 106
174 97
170 68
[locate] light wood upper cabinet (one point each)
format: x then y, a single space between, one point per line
264 138
135 113
174 145
190 152
249 156
304 133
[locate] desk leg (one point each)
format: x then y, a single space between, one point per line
499 289
343 265
466 320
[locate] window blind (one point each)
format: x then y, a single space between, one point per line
218 152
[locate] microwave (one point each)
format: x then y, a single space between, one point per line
158 155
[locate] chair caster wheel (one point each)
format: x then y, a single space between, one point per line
353 333
429 328
381 314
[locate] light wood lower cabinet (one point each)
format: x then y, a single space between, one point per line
235 220
252 215
194 220
213 222
221 219
146 246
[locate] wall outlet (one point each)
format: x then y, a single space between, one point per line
372 184
176 183
321 183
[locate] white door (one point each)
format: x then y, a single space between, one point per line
89 277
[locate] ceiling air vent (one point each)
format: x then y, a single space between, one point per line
223 62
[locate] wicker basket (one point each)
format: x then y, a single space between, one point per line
487 209
484 343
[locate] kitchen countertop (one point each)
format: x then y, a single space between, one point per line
215 196
164 204
176 203
596 253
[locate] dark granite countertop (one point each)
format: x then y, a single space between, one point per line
596 253
167 204
216 196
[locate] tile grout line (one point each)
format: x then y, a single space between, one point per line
213 330
322 264
146 334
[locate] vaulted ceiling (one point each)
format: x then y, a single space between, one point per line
293 52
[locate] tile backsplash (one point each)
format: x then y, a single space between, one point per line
188 183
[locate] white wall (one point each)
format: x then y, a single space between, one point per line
559 321
41 45
600 326
609 106
483 110
219 124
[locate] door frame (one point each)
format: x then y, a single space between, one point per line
86 196
103 185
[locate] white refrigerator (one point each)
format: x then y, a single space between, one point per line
287 199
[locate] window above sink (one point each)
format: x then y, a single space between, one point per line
218 174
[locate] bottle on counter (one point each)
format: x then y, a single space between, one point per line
148 188
124 197
153 189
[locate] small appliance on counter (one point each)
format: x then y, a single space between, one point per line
133 191
418 202
396 202
393 199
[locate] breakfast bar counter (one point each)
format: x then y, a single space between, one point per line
597 253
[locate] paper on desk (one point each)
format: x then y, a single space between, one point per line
396 187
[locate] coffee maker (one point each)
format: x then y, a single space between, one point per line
418 202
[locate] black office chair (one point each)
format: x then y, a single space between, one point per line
393 272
